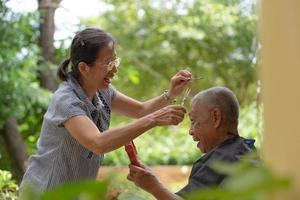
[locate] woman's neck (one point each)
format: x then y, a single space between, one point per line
88 89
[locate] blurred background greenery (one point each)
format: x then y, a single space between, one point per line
215 39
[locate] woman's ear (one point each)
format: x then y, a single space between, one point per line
216 117
83 69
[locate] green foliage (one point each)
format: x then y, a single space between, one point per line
17 60
81 190
8 187
21 95
251 122
30 120
88 190
214 39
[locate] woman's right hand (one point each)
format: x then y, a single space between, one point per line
169 115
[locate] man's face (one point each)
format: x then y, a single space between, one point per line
202 127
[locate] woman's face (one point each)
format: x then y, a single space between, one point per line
100 74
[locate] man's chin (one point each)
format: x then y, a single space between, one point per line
200 147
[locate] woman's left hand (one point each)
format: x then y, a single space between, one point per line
178 83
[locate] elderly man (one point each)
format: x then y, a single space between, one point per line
214 121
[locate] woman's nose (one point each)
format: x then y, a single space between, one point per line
114 69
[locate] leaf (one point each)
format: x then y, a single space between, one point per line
88 190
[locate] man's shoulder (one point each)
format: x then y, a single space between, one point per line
235 148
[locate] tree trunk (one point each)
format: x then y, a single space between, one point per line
15 147
47 10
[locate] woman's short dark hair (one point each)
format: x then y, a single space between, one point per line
84 48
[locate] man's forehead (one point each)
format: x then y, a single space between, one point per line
193 111
197 107
195 104
192 108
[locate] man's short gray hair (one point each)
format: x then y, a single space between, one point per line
223 98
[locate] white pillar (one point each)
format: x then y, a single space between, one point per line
280 74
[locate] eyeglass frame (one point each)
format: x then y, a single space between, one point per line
111 64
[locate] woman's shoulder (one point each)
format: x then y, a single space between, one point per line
64 104
65 94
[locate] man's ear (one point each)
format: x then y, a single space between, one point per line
83 69
216 117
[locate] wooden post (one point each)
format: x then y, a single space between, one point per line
280 74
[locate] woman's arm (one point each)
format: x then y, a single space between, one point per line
87 134
130 107
133 108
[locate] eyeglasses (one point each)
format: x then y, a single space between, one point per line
111 64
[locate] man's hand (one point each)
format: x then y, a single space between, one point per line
144 178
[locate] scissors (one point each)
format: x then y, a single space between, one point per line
186 94
188 90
